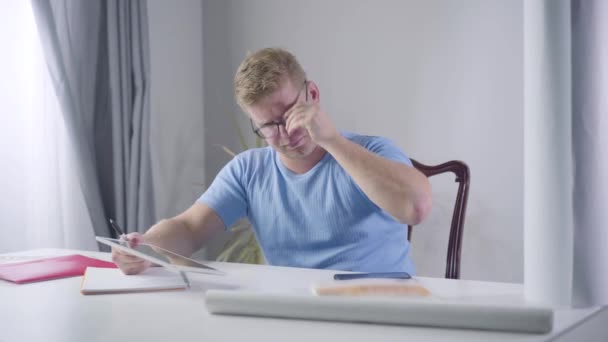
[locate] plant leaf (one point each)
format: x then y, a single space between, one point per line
259 142
242 246
240 133
227 150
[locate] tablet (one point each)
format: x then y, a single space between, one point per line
160 256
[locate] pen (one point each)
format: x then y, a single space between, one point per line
185 278
116 228
390 275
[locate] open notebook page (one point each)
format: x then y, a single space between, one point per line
104 281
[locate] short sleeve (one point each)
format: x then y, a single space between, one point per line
387 149
227 194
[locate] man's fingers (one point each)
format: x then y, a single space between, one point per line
131 260
296 121
129 270
127 258
119 257
128 263
132 267
134 239
291 116
119 252
123 255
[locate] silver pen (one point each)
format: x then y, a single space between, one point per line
183 274
121 233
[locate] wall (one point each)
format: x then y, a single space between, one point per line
177 132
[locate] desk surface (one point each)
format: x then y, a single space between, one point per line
56 311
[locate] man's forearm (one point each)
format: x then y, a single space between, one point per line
174 235
402 191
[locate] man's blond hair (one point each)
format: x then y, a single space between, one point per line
263 72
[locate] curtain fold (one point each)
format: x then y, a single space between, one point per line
547 159
130 107
97 54
566 161
590 150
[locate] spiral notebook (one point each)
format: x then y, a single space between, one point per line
108 281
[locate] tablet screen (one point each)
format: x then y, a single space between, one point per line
163 254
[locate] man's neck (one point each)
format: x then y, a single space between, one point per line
303 165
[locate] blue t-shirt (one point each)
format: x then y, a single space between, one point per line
319 219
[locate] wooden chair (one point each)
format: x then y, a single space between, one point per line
461 170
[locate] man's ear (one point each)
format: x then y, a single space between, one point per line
313 91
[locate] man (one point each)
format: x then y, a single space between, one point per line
315 197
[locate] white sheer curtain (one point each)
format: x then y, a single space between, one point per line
565 163
547 152
42 203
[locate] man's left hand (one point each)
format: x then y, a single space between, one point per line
308 115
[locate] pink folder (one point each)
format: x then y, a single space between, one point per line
50 268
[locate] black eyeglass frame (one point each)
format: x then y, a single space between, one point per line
257 130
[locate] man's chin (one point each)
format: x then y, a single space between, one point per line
294 154
297 153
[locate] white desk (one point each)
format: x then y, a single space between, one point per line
56 311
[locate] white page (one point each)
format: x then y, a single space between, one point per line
112 280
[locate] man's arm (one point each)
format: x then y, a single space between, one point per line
187 232
399 189
183 234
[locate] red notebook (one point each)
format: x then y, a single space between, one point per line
50 268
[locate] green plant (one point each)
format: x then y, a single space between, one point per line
242 247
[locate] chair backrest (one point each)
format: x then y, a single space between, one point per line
461 170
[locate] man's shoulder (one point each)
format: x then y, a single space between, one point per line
254 156
247 163
363 139
380 145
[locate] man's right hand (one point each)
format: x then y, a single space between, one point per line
130 264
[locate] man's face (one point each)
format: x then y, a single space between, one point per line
272 109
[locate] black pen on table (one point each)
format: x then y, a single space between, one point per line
386 275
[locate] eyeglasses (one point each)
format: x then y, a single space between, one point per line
271 129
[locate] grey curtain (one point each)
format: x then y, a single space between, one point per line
590 151
98 56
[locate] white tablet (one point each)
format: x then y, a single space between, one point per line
161 256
